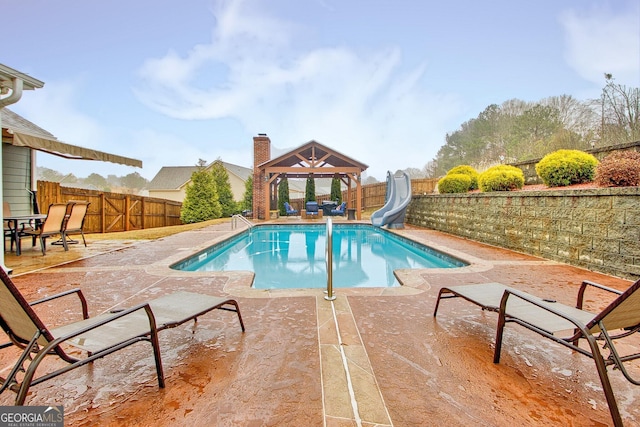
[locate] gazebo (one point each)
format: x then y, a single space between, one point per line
310 158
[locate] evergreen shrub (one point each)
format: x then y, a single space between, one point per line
201 201
566 167
454 183
466 170
501 178
619 169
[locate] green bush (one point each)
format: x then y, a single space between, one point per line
454 183
501 178
566 167
201 201
466 170
283 195
619 169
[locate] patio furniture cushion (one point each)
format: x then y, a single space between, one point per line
312 208
340 210
289 209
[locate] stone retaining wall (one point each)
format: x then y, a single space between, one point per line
597 229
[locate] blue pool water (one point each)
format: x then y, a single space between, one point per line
293 256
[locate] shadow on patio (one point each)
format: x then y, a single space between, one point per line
375 357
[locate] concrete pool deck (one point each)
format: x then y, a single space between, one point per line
373 357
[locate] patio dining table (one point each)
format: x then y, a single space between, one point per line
15 220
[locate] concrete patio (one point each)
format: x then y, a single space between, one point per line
373 357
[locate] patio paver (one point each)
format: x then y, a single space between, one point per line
288 369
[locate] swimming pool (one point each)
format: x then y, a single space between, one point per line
293 256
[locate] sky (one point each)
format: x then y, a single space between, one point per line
171 82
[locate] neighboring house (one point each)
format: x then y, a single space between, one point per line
171 181
21 139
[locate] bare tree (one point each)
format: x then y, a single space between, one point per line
620 112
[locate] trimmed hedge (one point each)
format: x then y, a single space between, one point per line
454 183
566 167
466 170
501 178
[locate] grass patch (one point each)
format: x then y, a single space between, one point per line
153 233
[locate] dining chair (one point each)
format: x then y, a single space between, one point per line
52 226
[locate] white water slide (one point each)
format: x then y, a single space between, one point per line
398 198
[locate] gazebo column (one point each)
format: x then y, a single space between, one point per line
358 198
270 189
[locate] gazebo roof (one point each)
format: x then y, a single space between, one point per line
315 158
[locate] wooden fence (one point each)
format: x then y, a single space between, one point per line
110 212
373 195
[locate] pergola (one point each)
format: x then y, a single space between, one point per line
317 159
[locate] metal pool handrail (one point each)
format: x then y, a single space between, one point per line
329 257
234 221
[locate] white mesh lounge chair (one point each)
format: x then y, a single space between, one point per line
564 324
99 336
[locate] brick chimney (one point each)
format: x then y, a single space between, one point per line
261 154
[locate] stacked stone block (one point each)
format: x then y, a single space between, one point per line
596 229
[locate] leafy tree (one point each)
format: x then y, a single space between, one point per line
134 180
336 189
310 189
516 131
247 201
96 180
532 131
225 195
69 178
50 175
369 180
201 200
283 195
114 180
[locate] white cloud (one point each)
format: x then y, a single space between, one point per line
601 40
55 113
157 149
361 103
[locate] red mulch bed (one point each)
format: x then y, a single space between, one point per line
542 187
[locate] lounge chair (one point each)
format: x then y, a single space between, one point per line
75 222
289 209
340 210
52 226
99 336
549 319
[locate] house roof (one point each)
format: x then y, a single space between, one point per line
239 171
171 177
176 177
7 74
18 131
